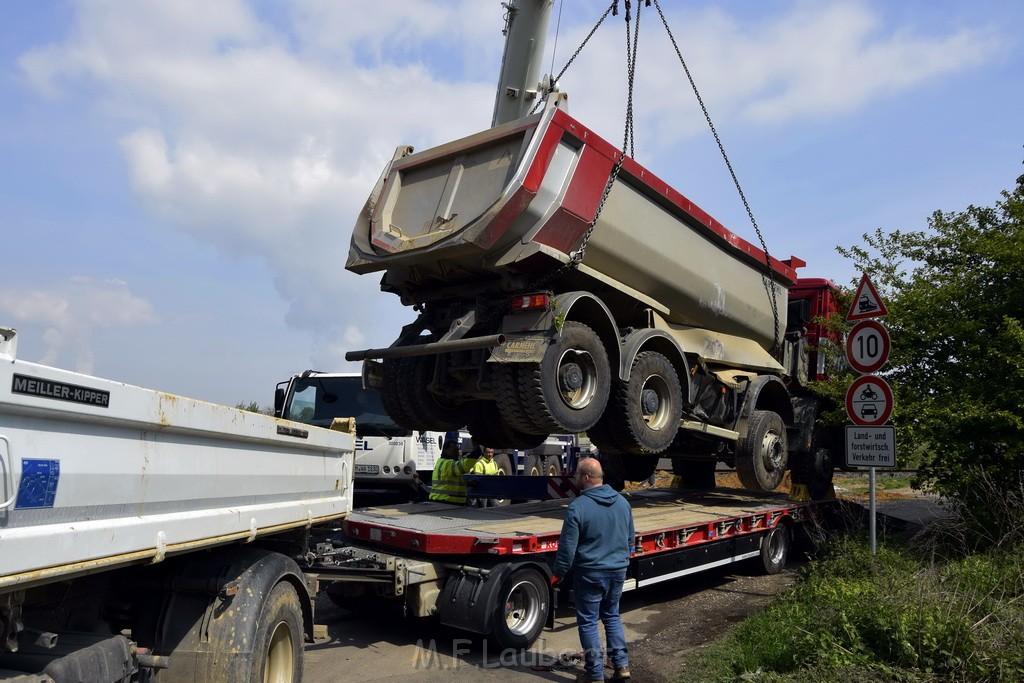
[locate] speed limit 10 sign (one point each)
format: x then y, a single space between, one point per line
867 346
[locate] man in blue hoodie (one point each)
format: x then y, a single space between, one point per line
596 542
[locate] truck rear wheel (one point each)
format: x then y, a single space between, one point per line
762 454
521 610
695 474
645 410
552 466
431 412
488 428
505 382
622 467
568 390
279 638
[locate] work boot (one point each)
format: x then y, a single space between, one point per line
621 674
582 677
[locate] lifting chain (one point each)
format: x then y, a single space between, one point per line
766 279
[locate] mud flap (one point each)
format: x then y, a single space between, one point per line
469 596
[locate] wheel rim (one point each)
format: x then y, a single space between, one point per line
777 545
577 378
655 402
772 452
523 609
280 656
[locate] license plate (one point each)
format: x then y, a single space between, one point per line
367 469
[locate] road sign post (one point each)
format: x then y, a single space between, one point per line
870 442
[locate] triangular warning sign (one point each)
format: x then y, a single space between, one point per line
866 302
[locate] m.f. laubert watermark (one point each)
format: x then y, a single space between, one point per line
430 656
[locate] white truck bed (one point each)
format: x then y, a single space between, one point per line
96 473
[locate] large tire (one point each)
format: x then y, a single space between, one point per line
489 429
534 466
505 382
695 474
644 411
775 546
521 610
431 412
277 650
622 467
505 468
392 390
568 390
552 466
762 454
821 471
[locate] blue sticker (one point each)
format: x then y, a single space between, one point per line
38 487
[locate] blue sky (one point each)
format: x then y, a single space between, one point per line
179 181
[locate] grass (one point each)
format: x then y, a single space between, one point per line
902 615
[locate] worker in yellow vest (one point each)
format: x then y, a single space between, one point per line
485 465
447 484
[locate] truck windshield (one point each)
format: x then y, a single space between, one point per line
317 400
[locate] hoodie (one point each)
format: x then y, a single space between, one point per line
597 533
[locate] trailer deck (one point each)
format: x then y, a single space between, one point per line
665 520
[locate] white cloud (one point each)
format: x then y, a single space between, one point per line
816 61
73 311
264 139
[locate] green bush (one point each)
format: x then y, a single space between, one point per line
892 617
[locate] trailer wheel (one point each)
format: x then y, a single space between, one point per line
534 466
695 474
775 546
568 390
521 610
277 651
762 454
647 407
552 466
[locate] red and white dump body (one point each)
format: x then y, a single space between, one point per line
510 205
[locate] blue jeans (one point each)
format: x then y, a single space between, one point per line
597 594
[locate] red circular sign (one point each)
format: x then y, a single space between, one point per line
867 346
869 401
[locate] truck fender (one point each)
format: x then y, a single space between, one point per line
529 333
208 624
767 392
468 598
656 340
586 308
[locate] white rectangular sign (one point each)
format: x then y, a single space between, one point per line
870 446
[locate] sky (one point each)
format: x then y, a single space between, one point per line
179 180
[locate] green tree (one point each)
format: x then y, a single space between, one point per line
955 295
254 407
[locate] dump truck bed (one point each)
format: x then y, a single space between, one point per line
519 197
96 473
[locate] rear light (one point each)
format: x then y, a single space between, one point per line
407 470
531 301
387 470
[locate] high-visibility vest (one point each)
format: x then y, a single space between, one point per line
447 484
485 466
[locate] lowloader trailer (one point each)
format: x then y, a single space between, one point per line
150 537
488 570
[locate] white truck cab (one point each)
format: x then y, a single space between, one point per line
390 461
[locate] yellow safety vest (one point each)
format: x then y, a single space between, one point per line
485 466
447 484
